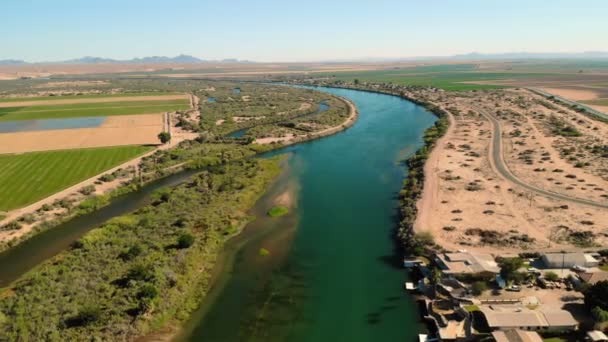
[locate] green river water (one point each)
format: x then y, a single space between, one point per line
332 273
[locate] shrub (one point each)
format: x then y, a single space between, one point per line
551 276
478 287
185 240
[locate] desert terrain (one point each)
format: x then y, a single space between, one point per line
559 198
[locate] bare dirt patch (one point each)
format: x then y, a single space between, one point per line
115 131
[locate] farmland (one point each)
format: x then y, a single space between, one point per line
28 177
90 109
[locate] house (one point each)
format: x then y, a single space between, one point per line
508 317
569 260
464 263
516 335
592 278
596 336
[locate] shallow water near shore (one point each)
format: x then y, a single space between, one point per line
332 273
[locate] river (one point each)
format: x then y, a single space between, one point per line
332 273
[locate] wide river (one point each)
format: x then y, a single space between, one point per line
332 273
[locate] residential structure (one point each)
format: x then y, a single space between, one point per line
464 263
592 278
568 260
516 335
507 317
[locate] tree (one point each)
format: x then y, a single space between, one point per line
164 137
509 269
596 298
356 81
478 287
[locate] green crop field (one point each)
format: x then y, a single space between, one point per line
448 77
27 178
92 96
91 109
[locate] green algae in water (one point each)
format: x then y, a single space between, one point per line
278 211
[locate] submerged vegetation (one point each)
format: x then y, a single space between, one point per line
278 211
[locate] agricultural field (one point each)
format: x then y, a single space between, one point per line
484 75
28 177
75 110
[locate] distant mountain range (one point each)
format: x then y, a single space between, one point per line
181 59
187 59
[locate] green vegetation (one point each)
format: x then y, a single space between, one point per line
278 211
91 109
108 286
264 252
596 299
479 287
560 127
28 177
449 77
414 182
83 96
551 276
471 308
509 269
164 137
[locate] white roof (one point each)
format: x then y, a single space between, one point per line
597 335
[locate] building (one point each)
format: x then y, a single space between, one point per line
569 260
466 263
597 336
509 317
592 278
516 335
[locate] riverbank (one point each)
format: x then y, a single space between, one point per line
419 187
342 253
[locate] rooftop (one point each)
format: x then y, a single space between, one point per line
515 316
516 335
593 277
466 263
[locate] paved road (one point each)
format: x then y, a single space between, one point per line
503 169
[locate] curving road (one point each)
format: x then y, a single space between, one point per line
502 168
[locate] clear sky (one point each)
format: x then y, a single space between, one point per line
273 30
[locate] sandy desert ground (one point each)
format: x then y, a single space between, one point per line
468 204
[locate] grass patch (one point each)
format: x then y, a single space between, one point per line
264 252
604 267
278 211
471 308
90 109
448 77
26 178
93 96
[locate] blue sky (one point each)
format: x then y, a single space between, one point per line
272 30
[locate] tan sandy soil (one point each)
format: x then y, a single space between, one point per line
57 101
572 94
219 122
450 207
115 131
246 118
